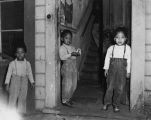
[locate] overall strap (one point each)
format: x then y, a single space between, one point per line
66 49
16 67
124 51
26 68
113 51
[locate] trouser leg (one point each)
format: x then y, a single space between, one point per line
66 86
14 91
74 82
119 86
23 95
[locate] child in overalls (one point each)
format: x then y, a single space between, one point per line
68 55
19 71
117 69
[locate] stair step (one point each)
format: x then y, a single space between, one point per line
90 67
89 76
93 49
91 58
92 54
88 82
90 71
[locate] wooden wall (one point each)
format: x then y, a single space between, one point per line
148 53
116 13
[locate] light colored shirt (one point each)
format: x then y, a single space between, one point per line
118 53
65 52
20 68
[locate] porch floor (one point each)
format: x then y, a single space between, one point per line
87 106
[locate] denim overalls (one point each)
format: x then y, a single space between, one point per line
18 91
69 78
116 79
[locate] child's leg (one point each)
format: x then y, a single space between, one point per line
108 95
119 86
14 91
110 86
66 83
23 95
74 80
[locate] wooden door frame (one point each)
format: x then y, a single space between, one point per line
138 55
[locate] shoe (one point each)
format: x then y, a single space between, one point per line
67 104
116 109
105 107
70 102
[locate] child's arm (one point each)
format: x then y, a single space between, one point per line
107 60
63 54
30 74
128 61
9 73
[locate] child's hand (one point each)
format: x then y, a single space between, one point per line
74 54
106 73
33 85
79 51
128 75
7 87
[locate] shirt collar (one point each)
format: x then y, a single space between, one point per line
20 61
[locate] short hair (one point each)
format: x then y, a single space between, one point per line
121 29
65 32
23 46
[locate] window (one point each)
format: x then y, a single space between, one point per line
11 25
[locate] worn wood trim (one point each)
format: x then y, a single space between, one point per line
52 79
29 39
9 1
138 55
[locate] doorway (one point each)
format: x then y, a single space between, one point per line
89 93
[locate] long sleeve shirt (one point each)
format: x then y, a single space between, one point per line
19 68
118 53
65 52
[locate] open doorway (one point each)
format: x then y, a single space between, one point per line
108 14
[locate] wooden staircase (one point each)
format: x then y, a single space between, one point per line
89 74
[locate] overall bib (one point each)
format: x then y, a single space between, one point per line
116 79
18 92
69 79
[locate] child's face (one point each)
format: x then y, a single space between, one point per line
120 38
67 39
20 54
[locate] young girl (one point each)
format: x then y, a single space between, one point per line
68 55
117 69
19 71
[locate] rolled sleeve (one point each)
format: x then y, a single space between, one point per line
63 54
30 74
129 60
9 73
107 58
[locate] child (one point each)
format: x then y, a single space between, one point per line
68 55
19 71
117 68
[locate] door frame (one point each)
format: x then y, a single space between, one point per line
138 55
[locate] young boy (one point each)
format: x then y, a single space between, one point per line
19 71
117 68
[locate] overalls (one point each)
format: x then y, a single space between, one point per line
116 79
69 78
18 91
